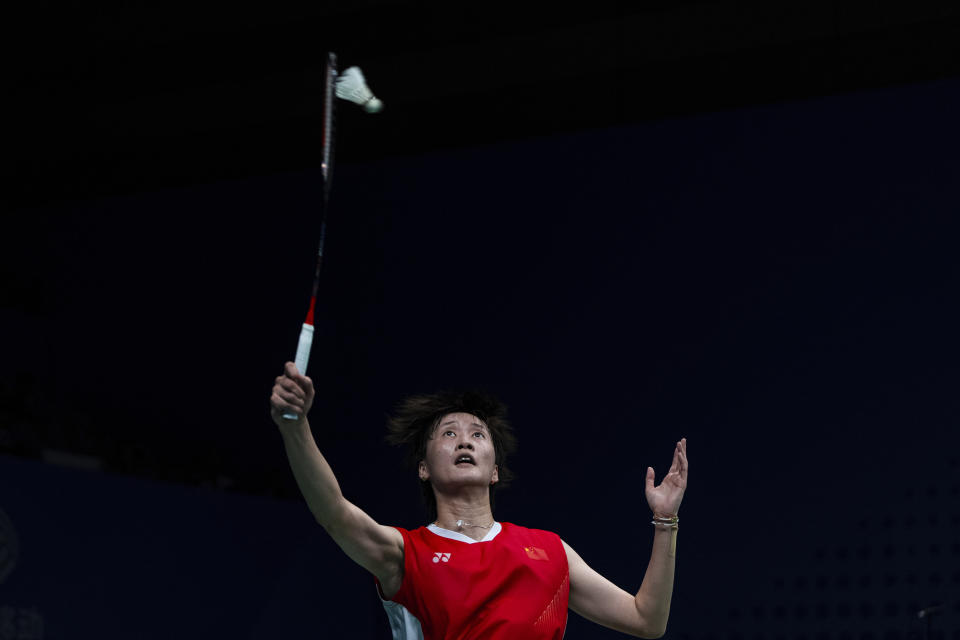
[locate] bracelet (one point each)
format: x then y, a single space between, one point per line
670 522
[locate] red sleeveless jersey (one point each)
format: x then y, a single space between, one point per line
515 585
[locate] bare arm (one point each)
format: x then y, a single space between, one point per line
599 600
645 614
376 548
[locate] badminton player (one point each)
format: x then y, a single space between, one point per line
465 575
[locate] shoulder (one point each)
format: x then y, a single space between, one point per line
517 530
413 538
389 584
536 537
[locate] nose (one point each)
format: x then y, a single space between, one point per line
465 445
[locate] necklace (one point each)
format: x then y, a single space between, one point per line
461 524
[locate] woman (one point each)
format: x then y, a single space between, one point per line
466 575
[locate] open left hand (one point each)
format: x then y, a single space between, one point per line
665 499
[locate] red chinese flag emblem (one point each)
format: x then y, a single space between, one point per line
536 553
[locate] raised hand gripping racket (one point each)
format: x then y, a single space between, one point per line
351 86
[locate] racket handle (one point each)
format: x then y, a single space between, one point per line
303 357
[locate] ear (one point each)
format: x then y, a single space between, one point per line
422 470
496 475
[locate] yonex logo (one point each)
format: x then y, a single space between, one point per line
437 557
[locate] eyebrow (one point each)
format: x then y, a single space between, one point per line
472 424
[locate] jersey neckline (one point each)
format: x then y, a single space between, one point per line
456 535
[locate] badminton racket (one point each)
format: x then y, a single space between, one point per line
305 343
352 86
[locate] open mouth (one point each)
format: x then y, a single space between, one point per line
465 459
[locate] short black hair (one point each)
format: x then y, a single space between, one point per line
416 418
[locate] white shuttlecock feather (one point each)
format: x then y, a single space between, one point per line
352 86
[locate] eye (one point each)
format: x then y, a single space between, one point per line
449 432
479 433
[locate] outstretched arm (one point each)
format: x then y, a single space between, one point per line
377 548
645 614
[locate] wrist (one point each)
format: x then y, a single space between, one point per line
665 520
295 430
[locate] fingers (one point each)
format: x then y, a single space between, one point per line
650 478
289 385
683 453
291 391
681 457
290 371
678 468
675 464
282 403
287 394
292 399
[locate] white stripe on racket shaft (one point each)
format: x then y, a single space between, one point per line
303 357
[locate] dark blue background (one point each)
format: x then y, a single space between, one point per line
778 284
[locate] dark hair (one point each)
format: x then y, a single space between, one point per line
416 417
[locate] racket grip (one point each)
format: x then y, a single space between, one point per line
302 358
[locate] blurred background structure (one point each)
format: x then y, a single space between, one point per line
730 221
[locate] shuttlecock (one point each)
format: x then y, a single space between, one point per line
352 86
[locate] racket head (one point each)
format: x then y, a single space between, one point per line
326 136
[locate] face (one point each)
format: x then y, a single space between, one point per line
460 452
